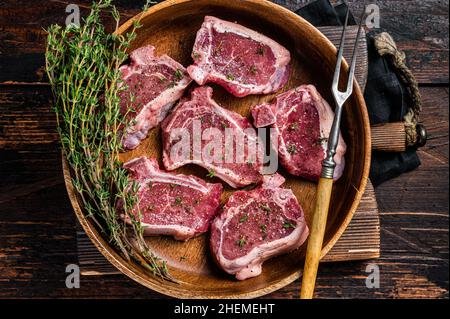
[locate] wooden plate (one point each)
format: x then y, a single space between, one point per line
171 26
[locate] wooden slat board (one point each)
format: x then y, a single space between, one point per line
360 241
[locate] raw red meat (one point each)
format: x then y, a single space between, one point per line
302 121
154 85
255 226
176 205
241 60
236 161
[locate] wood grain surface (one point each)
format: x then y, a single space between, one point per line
313 59
395 133
37 226
422 33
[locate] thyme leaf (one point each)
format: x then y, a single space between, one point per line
241 242
263 229
266 208
243 219
178 75
288 225
178 201
292 149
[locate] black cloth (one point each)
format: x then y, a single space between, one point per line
385 94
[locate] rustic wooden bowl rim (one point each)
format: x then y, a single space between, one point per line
157 284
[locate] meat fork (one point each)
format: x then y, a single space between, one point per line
325 186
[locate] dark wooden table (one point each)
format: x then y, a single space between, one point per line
37 225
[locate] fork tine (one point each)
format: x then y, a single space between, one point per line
355 48
337 72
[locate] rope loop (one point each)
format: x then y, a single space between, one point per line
386 46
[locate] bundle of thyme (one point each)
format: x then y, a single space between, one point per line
83 68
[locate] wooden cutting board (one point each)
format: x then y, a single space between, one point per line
360 241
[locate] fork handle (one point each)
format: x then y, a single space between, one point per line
315 240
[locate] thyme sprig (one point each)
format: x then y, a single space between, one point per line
82 63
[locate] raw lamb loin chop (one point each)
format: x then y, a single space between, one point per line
241 60
255 226
236 161
154 85
175 205
302 120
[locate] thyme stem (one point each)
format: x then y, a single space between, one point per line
82 65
